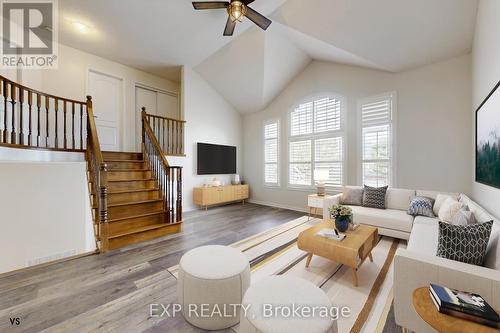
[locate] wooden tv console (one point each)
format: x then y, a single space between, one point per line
208 196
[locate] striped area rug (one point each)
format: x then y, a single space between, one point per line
275 252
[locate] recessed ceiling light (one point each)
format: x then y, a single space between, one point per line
81 27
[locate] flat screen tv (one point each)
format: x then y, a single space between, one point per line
216 159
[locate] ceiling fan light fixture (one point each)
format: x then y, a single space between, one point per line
236 10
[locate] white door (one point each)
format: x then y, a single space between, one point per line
107 97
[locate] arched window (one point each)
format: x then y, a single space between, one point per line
316 143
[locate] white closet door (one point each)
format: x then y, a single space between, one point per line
168 105
143 98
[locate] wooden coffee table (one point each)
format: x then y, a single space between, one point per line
351 251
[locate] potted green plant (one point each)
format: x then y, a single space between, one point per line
342 216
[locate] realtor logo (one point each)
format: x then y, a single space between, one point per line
29 34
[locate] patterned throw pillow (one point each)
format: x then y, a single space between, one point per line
421 206
464 217
374 196
466 244
352 196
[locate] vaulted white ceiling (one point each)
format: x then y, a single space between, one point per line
251 68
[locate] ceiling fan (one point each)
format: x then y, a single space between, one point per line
236 9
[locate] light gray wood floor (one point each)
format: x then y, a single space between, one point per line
112 292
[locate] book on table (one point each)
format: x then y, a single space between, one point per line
331 234
465 305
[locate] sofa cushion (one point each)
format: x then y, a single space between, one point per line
374 197
424 236
386 218
426 220
398 198
492 259
466 244
434 194
479 213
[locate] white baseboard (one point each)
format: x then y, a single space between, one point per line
277 205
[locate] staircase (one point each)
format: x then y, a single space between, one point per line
135 205
134 196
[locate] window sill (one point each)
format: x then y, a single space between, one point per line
330 190
272 186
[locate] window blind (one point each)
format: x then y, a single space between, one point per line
376 120
271 151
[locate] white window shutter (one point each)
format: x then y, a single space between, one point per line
328 161
271 153
376 141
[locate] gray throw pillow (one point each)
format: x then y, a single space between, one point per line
352 196
421 206
374 197
466 244
464 217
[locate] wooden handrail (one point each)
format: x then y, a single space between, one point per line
166 118
169 133
34 119
37 92
99 173
168 178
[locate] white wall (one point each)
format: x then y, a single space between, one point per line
486 73
70 80
433 125
45 212
210 119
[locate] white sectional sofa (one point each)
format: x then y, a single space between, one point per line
417 265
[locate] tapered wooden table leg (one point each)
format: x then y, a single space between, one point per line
354 277
308 260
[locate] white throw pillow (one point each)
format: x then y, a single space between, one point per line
440 198
448 210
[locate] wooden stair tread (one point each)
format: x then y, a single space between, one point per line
125 161
139 229
133 191
128 170
120 152
129 180
134 202
137 216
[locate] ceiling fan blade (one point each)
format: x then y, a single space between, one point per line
210 4
230 25
247 2
258 19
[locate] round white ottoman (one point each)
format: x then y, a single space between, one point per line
271 303
211 284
